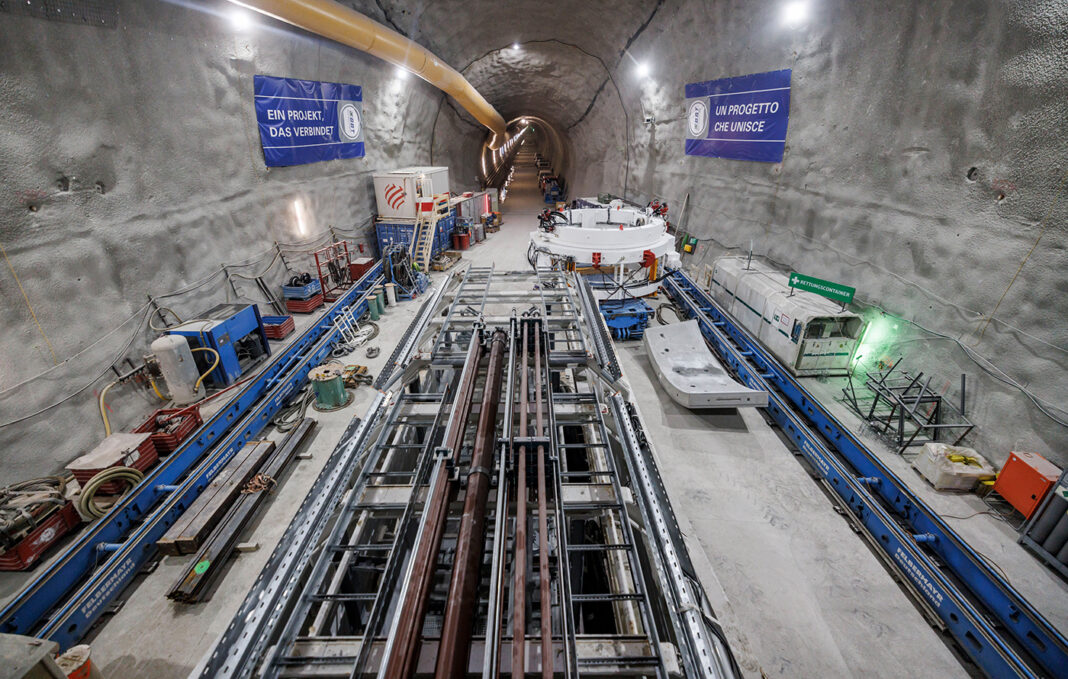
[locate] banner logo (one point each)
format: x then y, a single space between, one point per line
395 196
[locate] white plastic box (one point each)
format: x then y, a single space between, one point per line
935 465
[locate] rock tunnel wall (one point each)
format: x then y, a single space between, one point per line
924 158
132 165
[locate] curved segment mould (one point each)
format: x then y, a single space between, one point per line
690 374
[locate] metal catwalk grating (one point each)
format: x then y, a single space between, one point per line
481 522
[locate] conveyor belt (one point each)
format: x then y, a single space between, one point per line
992 623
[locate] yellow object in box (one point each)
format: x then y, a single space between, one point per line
687 248
952 467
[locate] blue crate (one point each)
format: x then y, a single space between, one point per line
302 291
398 233
401 233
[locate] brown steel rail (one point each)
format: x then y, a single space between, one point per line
460 608
519 561
544 598
404 652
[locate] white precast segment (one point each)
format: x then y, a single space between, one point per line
690 374
620 235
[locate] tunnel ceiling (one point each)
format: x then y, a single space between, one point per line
548 79
565 47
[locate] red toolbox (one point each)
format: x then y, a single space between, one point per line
118 450
30 548
1025 479
359 266
304 306
170 426
278 327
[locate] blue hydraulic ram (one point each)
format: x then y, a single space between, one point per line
993 624
66 597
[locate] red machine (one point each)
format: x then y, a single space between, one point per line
334 266
170 426
1025 479
50 527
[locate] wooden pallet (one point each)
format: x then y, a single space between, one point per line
446 261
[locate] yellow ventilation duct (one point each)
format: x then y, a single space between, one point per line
348 27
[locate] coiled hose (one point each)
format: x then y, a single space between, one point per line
672 308
294 413
87 499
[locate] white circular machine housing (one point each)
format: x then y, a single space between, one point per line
620 235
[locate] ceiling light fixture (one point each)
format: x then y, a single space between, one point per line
402 73
240 20
795 13
643 69
515 45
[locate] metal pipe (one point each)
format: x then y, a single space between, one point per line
495 613
345 25
544 597
404 652
456 628
519 560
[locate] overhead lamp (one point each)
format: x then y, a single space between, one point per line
794 13
401 73
515 45
240 19
643 69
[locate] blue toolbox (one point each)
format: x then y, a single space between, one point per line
235 331
302 291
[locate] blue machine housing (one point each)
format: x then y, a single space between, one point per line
235 331
626 318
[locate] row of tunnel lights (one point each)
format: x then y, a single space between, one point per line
794 13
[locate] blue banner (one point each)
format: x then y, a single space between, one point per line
304 121
741 118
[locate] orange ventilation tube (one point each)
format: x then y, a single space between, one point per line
341 24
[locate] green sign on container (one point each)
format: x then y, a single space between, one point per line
836 291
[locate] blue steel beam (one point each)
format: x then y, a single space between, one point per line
976 604
94 570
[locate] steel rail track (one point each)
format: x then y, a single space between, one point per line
992 623
64 600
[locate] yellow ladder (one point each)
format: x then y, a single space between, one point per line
423 243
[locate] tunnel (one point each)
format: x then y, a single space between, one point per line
921 166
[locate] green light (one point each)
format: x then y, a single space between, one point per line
878 335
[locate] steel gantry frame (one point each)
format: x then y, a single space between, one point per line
496 512
73 590
992 623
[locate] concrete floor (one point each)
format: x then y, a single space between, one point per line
799 593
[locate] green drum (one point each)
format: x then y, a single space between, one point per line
328 383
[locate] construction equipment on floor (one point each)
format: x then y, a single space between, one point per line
992 623
70 592
498 507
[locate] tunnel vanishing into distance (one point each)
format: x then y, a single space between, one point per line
919 160
924 164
